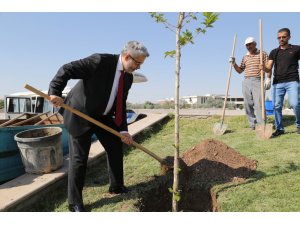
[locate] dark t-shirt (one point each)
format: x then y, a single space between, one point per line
285 64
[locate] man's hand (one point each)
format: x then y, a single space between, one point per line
261 67
55 100
232 60
268 83
126 138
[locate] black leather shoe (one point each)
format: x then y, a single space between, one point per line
277 133
118 190
77 208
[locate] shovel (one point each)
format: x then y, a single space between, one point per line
264 131
220 128
164 163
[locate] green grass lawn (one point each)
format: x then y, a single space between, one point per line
275 186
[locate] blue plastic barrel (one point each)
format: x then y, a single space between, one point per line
269 107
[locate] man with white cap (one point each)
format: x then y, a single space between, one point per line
251 84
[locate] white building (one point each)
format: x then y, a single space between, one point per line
198 100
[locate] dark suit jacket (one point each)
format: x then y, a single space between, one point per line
91 94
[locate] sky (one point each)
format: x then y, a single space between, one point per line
35 44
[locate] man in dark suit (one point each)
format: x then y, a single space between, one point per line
101 93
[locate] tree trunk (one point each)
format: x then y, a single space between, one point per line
176 153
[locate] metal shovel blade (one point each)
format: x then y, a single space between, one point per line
264 131
219 128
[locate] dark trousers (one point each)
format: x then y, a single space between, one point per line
78 152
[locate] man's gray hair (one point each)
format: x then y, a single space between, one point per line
135 49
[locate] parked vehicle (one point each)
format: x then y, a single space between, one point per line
132 116
27 102
139 78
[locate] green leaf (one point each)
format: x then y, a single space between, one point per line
170 53
199 30
193 16
177 198
186 37
210 18
158 17
170 190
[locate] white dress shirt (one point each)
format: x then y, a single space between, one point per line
114 89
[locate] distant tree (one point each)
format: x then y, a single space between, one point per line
182 38
185 105
167 105
230 105
148 105
213 103
129 105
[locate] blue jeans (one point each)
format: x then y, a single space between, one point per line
279 91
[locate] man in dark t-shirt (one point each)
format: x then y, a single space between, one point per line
286 78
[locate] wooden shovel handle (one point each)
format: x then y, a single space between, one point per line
96 122
228 80
262 90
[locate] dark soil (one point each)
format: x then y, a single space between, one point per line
209 163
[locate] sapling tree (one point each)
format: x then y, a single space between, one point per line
188 20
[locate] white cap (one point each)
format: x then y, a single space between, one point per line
249 40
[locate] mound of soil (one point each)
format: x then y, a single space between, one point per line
209 163
213 160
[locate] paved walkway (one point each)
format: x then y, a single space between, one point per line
25 189
204 112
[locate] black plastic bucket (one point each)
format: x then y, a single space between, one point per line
41 149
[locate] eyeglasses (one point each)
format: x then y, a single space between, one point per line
282 37
135 61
